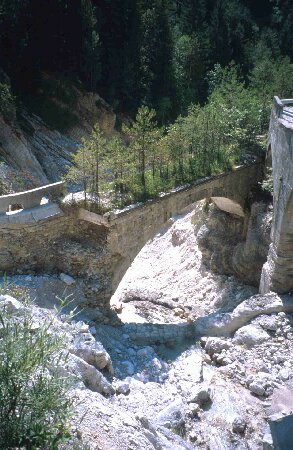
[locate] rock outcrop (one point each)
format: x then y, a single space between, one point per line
232 246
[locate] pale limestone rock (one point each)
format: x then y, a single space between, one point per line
122 388
11 305
172 415
250 336
86 347
257 387
216 345
92 378
201 394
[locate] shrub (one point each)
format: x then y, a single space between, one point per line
7 102
34 401
267 183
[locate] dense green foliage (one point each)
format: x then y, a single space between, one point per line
229 129
34 406
154 52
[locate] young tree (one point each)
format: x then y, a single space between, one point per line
118 163
188 70
142 135
89 163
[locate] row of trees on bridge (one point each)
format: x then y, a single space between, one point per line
146 159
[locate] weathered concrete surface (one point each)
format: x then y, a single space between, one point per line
277 274
31 215
31 198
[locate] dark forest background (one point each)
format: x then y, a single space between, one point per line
163 53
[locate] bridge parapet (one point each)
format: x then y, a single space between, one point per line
277 274
283 112
31 198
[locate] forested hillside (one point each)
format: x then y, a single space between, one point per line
158 52
198 75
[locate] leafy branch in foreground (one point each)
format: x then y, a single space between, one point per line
34 402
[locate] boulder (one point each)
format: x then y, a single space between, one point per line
11 305
122 388
91 377
201 394
129 367
172 416
250 335
239 425
67 279
216 345
87 348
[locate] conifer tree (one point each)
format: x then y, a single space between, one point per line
142 135
89 160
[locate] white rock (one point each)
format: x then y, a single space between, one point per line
239 425
284 374
146 352
93 331
172 415
92 378
216 345
123 388
257 387
87 348
67 279
81 327
201 394
250 335
267 442
11 305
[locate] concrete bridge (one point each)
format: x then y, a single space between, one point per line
32 198
277 273
99 249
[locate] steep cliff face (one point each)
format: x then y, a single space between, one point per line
31 146
16 152
234 245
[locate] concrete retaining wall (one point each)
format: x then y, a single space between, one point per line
32 198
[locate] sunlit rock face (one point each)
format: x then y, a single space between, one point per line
277 274
234 245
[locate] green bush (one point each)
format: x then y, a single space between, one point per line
34 401
267 183
7 102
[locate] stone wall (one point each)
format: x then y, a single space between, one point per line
277 274
99 249
46 240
